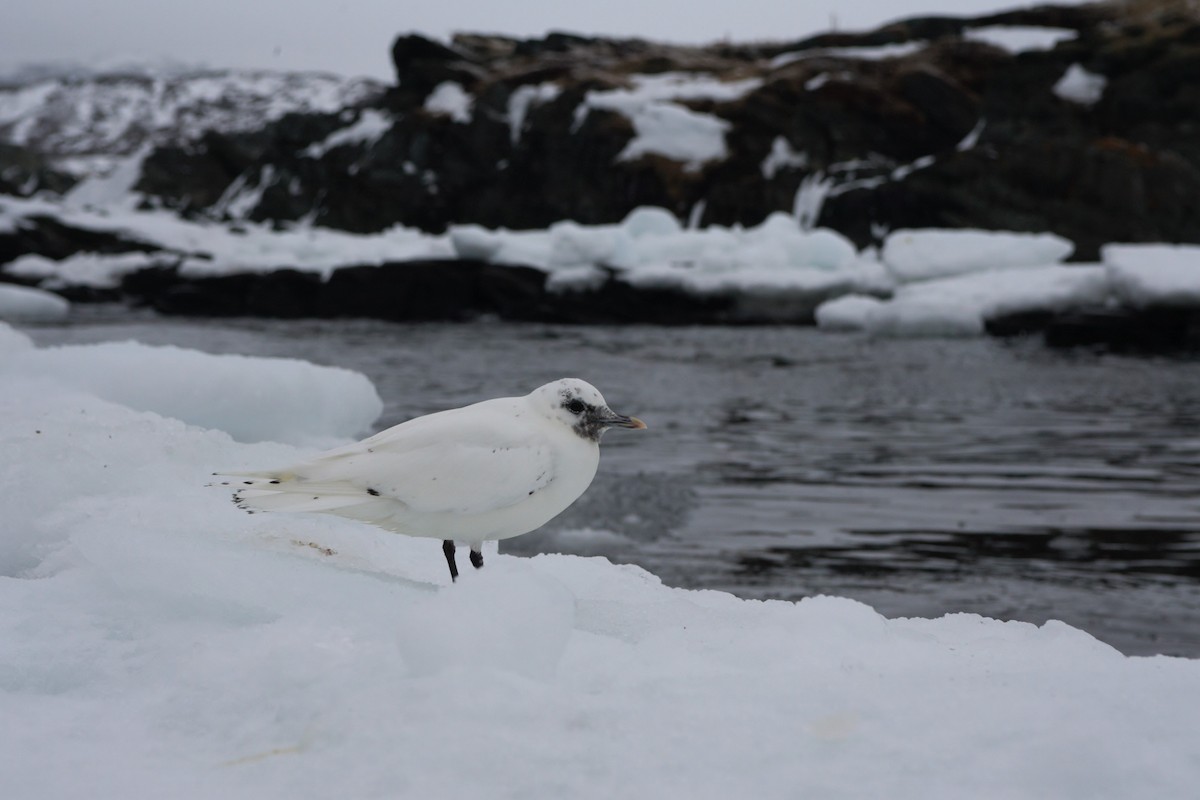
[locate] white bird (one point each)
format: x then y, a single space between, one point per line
492 470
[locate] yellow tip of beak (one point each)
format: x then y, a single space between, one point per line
636 423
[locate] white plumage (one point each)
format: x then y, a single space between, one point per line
492 470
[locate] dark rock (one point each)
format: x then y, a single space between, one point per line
1157 329
50 237
1020 324
954 133
421 64
885 132
420 291
24 172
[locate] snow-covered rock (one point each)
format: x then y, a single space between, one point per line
77 117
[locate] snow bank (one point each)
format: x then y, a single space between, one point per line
370 125
94 270
916 255
1154 274
160 642
23 304
111 190
777 270
1021 38
664 127
251 399
207 248
863 53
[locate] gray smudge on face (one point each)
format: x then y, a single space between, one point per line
588 427
586 424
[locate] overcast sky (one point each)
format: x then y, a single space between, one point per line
352 36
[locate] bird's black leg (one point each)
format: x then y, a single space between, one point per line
476 558
448 549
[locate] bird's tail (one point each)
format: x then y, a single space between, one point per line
286 491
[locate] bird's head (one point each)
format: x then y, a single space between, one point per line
580 406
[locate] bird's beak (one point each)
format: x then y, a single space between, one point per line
613 420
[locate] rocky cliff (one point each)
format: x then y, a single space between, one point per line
1081 120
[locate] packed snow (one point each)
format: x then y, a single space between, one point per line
109 189
204 248
93 270
450 99
664 127
523 100
861 53
1021 38
366 129
1079 86
782 156
160 642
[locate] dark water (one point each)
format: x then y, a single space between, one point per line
921 477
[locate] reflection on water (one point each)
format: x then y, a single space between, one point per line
922 477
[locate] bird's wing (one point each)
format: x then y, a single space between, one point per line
449 462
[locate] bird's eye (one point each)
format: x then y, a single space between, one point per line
576 406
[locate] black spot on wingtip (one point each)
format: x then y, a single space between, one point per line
373 492
274 481
248 483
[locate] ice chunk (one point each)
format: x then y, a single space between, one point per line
916 255
157 641
961 305
1154 274
24 304
251 399
852 312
